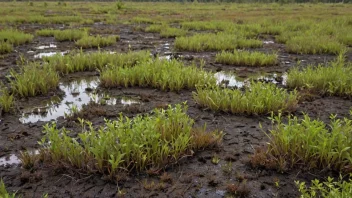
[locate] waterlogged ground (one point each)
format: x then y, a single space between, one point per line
194 176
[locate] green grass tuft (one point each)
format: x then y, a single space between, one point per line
94 60
3 191
259 98
33 80
214 42
15 37
334 79
96 41
5 47
311 143
149 141
245 58
314 45
166 75
329 189
69 35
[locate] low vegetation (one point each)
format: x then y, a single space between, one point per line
34 79
246 58
314 45
15 37
46 32
95 60
172 32
3 191
69 35
311 143
5 47
259 98
215 42
334 79
162 74
96 41
329 189
150 141
6 100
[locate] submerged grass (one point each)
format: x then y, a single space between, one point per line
259 98
96 41
312 143
162 74
149 141
95 60
246 58
334 79
215 42
34 79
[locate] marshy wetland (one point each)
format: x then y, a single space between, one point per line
123 99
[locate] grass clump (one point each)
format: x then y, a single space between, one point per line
246 58
3 191
211 42
314 45
33 80
166 75
172 32
149 141
94 60
259 98
207 25
14 37
96 41
6 100
46 32
5 47
69 35
328 189
311 143
334 79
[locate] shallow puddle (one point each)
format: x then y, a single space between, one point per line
46 46
268 42
77 93
228 80
9 160
43 54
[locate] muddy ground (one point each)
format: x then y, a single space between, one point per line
193 176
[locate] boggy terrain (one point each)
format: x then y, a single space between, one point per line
225 170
